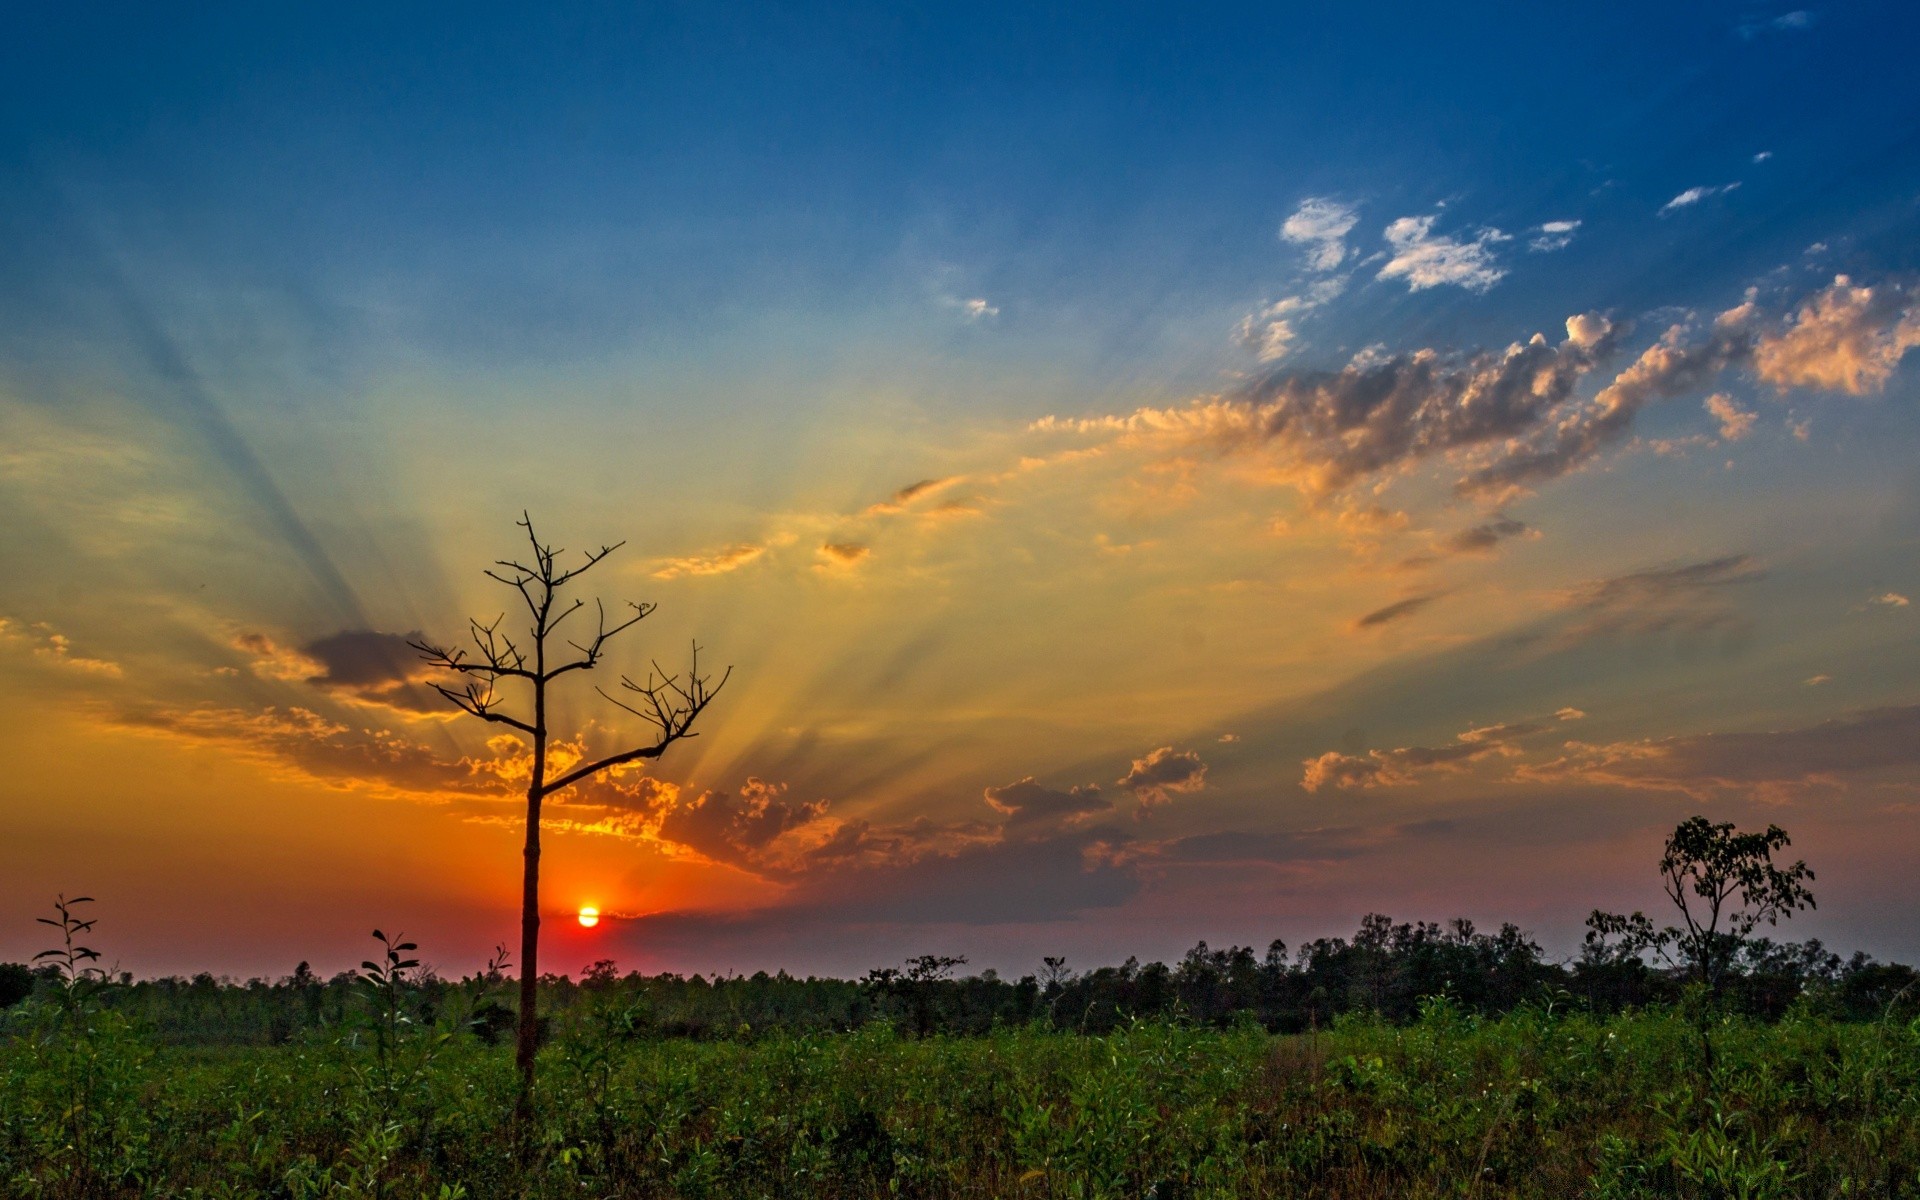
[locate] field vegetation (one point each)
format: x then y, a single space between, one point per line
1410 1059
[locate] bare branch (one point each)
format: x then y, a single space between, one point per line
667 704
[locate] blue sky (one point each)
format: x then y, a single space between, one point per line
298 310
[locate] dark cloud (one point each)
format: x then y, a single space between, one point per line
1374 415
738 828
1164 772
1855 744
1394 612
1034 810
377 668
1682 361
1484 537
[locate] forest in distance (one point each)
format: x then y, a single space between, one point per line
1410 1059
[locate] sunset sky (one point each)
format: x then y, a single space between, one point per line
1157 475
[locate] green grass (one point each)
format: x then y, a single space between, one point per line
1535 1103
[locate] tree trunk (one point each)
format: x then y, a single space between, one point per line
528 1041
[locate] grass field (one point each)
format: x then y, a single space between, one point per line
1539 1102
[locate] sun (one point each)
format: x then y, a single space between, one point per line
589 916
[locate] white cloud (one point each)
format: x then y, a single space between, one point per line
1271 332
1425 259
1695 195
1799 19
1321 225
1553 235
978 308
1763 156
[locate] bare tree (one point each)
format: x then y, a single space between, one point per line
529 664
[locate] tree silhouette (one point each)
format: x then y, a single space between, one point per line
1724 884
531 663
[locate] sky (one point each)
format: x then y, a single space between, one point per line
1155 475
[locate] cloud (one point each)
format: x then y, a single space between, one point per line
1552 235
912 495
1695 195
1482 538
1858 743
1321 225
1890 600
1763 156
360 666
1817 680
843 555
1425 259
1790 22
1690 598
49 646
1164 772
1396 611
1034 810
1392 768
978 308
1271 331
1513 419
1378 413
738 828
302 744
731 558
1735 422
1569 714
1678 363
1844 338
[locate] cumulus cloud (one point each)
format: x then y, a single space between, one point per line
1032 809
1426 259
1163 773
1735 422
1321 225
1844 338
1890 600
47 645
1680 362
1378 413
1695 195
1390 768
1513 419
738 828
978 308
1552 235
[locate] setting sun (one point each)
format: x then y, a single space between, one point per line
589 916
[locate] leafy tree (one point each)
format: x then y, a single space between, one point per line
16 983
1725 885
532 662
